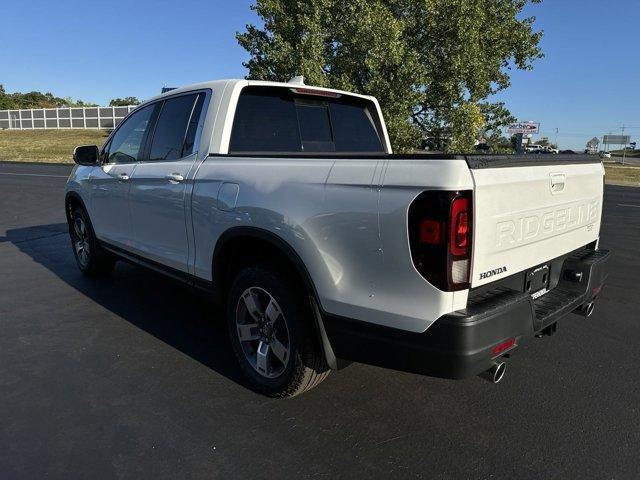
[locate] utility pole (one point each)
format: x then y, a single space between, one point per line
624 148
519 143
556 142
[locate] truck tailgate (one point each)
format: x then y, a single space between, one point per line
528 211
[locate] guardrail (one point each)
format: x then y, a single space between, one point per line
63 118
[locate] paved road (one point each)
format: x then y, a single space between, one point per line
132 377
635 161
631 161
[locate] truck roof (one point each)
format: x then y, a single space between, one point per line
237 82
226 94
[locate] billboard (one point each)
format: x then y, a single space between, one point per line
524 127
616 139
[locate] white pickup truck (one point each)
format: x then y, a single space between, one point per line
285 202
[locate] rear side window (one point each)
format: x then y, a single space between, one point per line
189 141
277 120
171 129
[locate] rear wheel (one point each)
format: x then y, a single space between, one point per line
272 333
91 259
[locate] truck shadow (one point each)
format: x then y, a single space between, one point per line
162 307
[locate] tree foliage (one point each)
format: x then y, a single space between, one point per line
123 102
5 101
48 100
465 123
37 100
499 143
432 64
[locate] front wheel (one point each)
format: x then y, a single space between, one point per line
91 259
272 333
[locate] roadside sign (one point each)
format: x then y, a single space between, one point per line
616 139
523 127
593 143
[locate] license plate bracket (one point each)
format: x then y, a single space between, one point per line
536 281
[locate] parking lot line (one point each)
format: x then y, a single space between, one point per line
34 175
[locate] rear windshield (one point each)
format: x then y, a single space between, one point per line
277 120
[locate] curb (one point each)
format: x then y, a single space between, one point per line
619 183
31 162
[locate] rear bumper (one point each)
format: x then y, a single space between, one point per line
459 345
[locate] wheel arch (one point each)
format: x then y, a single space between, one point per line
71 200
240 239
236 238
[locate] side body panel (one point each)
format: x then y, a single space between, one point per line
345 218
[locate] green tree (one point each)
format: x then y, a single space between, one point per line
429 62
466 123
499 143
6 102
123 102
37 100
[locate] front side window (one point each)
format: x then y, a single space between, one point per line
126 143
171 128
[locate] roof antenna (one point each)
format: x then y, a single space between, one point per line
297 80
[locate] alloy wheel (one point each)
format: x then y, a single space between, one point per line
263 332
81 244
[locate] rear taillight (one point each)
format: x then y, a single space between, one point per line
440 230
459 226
430 232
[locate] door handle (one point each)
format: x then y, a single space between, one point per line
123 177
557 182
175 177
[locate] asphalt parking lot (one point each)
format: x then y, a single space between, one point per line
132 377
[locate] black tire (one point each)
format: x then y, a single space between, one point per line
306 365
92 260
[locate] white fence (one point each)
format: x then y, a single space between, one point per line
63 118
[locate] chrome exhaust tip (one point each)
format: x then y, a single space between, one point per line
495 373
588 311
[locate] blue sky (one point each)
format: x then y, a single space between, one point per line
586 85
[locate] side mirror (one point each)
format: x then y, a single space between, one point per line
88 155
